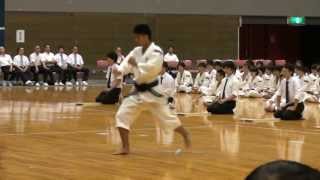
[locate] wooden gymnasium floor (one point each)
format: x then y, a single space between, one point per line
44 135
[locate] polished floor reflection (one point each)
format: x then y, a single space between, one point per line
46 135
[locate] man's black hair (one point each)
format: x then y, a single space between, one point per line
165 65
221 72
253 69
18 49
290 67
181 64
142 29
314 67
202 64
59 47
301 68
210 62
217 63
284 170
112 55
229 64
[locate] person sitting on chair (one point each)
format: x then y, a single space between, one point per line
112 94
21 66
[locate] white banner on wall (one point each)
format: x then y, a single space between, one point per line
20 36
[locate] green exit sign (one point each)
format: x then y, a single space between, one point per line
297 20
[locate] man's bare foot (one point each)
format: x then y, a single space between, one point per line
121 152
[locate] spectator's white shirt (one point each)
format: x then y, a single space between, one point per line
120 59
35 58
62 60
76 59
5 60
111 77
21 61
168 84
171 58
47 57
295 90
229 86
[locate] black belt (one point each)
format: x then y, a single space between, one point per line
146 87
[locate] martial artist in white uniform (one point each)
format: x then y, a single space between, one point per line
312 93
210 78
145 62
168 84
255 85
214 89
201 77
268 81
184 80
245 79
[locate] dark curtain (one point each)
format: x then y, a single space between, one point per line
270 42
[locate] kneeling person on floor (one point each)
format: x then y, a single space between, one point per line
111 95
229 91
290 89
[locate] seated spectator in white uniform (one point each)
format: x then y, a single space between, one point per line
211 76
312 87
226 101
171 56
64 76
271 82
37 66
120 55
112 93
261 71
259 64
6 65
268 80
255 85
77 65
245 78
21 66
291 90
168 84
184 81
217 66
215 87
270 105
200 79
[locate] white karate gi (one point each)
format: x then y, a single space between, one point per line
184 82
149 65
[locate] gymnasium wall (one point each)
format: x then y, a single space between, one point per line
206 7
195 36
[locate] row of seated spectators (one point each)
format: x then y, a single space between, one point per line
191 65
